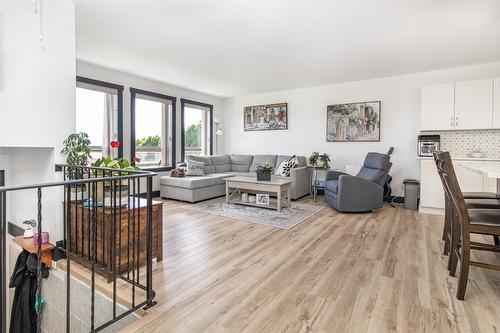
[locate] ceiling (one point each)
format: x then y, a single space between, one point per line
231 48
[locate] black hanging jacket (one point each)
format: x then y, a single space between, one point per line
23 317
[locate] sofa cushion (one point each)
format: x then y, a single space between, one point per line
241 163
332 186
195 168
222 163
302 161
220 159
241 159
199 158
219 177
208 168
243 174
240 168
190 182
258 160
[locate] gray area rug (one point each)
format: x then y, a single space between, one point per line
286 219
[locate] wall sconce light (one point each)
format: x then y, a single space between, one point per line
218 133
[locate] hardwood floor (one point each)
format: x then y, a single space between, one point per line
376 272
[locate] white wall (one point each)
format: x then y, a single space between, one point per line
400 117
38 77
133 81
37 102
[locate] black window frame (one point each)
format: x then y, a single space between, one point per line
119 89
173 100
205 105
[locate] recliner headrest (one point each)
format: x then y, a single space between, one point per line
376 161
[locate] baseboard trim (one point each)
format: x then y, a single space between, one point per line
431 210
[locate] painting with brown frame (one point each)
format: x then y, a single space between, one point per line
267 117
353 122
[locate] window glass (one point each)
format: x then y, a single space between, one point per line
97 114
153 132
196 130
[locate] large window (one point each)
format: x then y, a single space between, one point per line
197 129
99 114
153 129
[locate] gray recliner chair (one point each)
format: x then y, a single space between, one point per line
363 192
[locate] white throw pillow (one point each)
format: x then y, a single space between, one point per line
195 168
284 169
285 166
294 162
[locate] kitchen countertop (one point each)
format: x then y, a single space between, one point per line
490 170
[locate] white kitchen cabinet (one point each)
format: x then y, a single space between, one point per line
496 103
431 189
437 107
474 104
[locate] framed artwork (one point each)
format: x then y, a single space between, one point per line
262 199
268 117
353 122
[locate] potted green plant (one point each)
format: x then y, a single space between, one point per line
77 151
320 160
264 171
122 190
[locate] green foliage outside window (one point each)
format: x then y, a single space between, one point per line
149 141
192 136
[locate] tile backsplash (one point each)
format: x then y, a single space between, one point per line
461 143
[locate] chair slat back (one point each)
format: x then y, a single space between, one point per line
440 171
452 187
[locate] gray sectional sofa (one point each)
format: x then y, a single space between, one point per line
211 185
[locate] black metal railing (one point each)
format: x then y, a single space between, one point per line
108 228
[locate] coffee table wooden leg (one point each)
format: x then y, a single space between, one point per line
289 197
279 200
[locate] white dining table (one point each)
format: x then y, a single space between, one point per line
490 170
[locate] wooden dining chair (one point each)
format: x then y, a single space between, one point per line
474 200
467 222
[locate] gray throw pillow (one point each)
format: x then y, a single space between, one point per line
195 168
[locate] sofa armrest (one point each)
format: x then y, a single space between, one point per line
357 194
302 181
333 175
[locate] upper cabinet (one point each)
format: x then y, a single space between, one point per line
474 104
461 106
496 103
437 107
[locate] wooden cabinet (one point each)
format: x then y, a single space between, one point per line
437 107
431 189
474 104
460 106
130 236
496 103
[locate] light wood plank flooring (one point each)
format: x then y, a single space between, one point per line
377 272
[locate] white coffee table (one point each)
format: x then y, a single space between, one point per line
235 186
